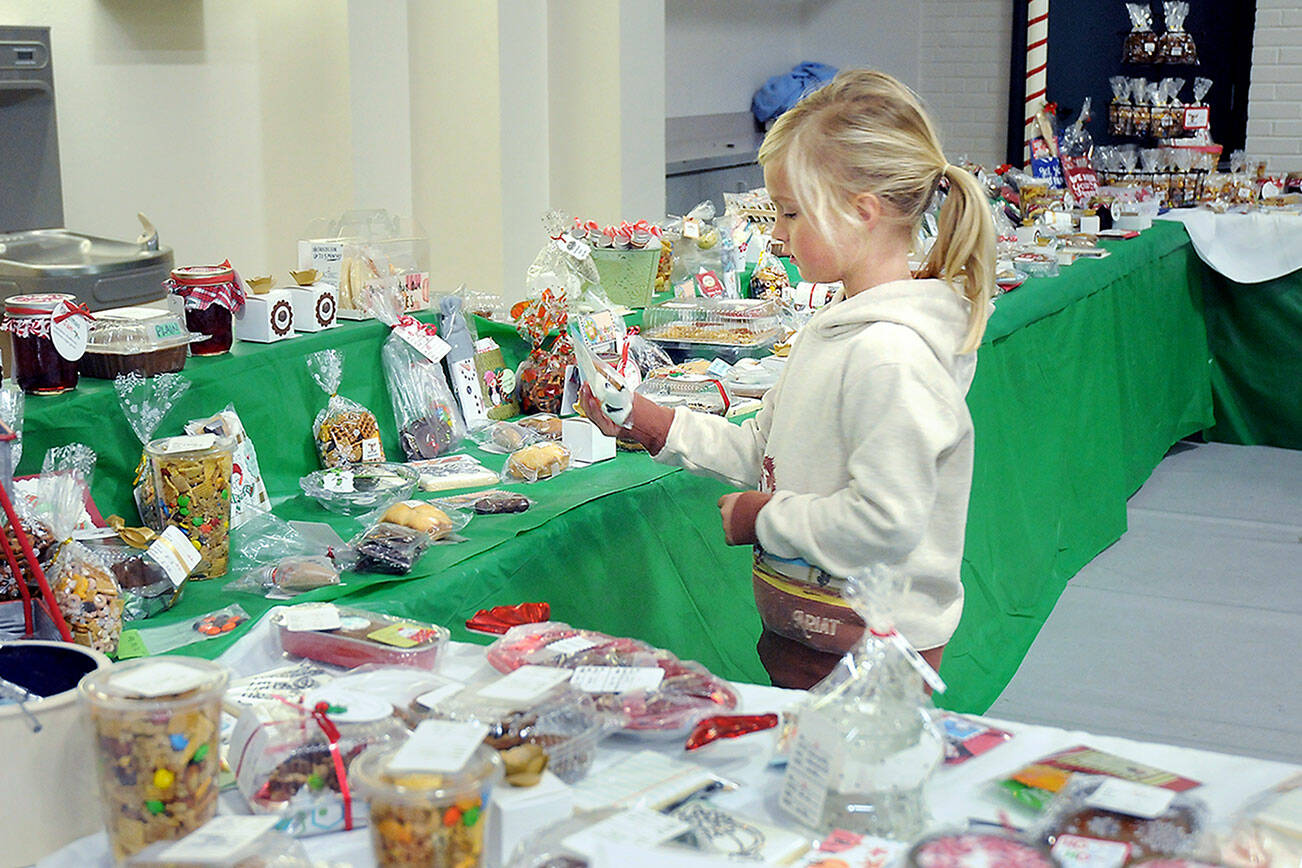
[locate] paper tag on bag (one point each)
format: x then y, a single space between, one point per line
440 746
160 678
1130 798
638 827
815 758
572 645
372 450
175 553
617 679
526 684
1075 851
431 346
573 246
310 617
433 698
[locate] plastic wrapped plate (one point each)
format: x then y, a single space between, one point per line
355 488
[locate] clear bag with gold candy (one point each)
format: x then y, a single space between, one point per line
84 589
344 431
192 475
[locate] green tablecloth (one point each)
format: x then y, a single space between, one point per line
1083 383
1255 332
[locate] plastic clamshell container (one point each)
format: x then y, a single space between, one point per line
401 642
140 340
350 489
421 818
728 322
156 724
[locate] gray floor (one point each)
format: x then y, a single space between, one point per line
1187 630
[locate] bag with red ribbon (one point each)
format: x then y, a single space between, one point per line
428 418
291 757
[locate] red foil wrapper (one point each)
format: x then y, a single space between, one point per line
499 619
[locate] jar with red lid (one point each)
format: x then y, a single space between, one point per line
42 367
212 293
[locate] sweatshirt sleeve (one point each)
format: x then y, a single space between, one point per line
708 444
901 428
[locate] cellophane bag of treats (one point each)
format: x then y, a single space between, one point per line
145 401
248 492
428 419
84 589
292 759
345 432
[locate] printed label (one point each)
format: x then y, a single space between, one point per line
1197 117
187 443
165 330
573 247
617 679
1128 797
440 746
176 554
160 678
1074 851
372 450
526 684
338 480
310 617
809 771
431 346
572 645
403 635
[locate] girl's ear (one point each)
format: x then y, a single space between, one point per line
869 209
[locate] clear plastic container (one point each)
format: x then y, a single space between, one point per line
284 757
365 637
155 722
350 489
704 394
427 819
739 326
211 848
140 340
192 476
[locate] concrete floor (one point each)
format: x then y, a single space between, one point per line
1188 630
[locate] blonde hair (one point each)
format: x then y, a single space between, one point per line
865 132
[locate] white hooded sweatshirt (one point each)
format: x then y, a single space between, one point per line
866 443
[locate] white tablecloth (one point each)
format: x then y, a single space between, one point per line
955 796
1246 248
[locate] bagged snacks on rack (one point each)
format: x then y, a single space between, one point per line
836 779
192 475
85 590
345 432
1120 120
294 761
429 422
1176 45
145 401
248 493
1141 42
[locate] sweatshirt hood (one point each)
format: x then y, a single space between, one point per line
930 307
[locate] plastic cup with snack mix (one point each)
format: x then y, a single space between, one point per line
155 723
424 818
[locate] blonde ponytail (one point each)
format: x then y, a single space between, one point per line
964 252
865 132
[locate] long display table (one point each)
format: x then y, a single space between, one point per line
1083 383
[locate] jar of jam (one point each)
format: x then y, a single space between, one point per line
39 367
212 294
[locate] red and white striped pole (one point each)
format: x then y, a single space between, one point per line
1037 61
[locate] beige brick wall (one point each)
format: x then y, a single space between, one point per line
1275 92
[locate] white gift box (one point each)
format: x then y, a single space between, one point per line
266 318
585 441
514 813
315 306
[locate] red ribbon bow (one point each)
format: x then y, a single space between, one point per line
411 322
71 309
319 714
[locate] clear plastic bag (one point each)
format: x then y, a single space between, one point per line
434 521
428 419
288 577
870 721
148 641
539 461
388 548
646 355
84 589
492 502
147 586
345 432
248 492
502 438
12 402
145 401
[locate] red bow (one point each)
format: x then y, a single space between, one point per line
410 322
71 309
332 734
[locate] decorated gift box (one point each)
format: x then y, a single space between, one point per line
315 302
267 315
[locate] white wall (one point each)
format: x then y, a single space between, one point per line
227 123
881 34
1275 91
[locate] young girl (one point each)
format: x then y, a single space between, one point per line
862 452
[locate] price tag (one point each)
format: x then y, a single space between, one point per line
70 335
1197 117
691 228
526 684
339 480
310 617
572 645
709 284
440 746
431 346
719 369
176 554
433 698
219 838
814 757
1075 851
929 675
372 450
160 678
1130 798
617 679
573 246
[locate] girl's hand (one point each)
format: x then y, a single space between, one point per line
592 409
648 424
739 512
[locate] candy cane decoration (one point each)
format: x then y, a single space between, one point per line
1037 60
